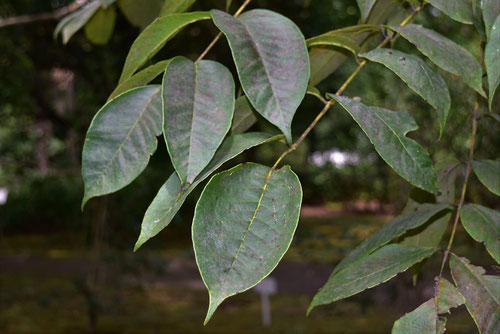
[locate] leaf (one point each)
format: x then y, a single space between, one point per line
141 78
154 37
369 271
99 28
272 63
483 224
311 90
324 61
239 236
73 22
490 9
176 6
458 10
387 131
365 6
120 140
481 293
446 54
492 60
339 40
391 230
140 13
487 172
198 106
418 76
244 116
172 195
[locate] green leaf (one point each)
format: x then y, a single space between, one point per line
490 9
240 236
272 63
140 13
176 6
339 40
487 172
459 10
481 292
172 195
141 78
73 22
387 131
120 140
492 60
446 54
418 76
198 106
244 116
369 271
448 297
391 230
154 37
99 28
365 6
311 90
483 224
324 61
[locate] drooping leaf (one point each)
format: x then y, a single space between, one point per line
369 271
171 195
198 106
387 131
176 6
365 6
239 236
99 28
490 9
483 224
140 13
244 116
339 40
120 140
492 60
481 292
154 37
488 172
271 58
391 230
459 10
446 54
418 76
311 90
141 78
73 22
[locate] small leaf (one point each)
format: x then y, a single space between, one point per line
487 172
271 58
172 195
154 37
448 297
365 6
311 90
239 236
120 140
176 6
387 131
418 76
492 60
198 106
490 9
446 54
140 13
99 28
339 40
244 116
459 10
481 292
369 271
483 224
73 22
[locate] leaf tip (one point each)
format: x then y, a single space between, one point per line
214 303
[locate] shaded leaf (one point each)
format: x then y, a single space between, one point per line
154 37
339 40
369 271
490 9
271 58
73 22
311 90
140 13
120 140
446 54
176 6
99 28
238 236
459 10
172 195
244 116
481 292
365 6
483 224
418 76
387 131
324 61
488 172
492 60
198 106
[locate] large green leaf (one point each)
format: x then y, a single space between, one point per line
488 172
172 195
365 6
154 37
99 28
198 106
481 292
490 9
446 54
459 10
73 22
271 58
492 60
418 76
338 40
176 6
387 131
120 140
483 224
140 13
391 230
244 116
240 236
369 271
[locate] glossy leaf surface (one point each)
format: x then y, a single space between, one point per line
99 28
488 172
244 116
238 236
459 10
483 224
492 60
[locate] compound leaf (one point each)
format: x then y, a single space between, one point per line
487 172
483 224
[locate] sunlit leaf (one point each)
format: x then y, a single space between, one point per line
244 116
73 22
365 6
140 13
176 6
492 60
490 9
99 28
488 172
459 10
